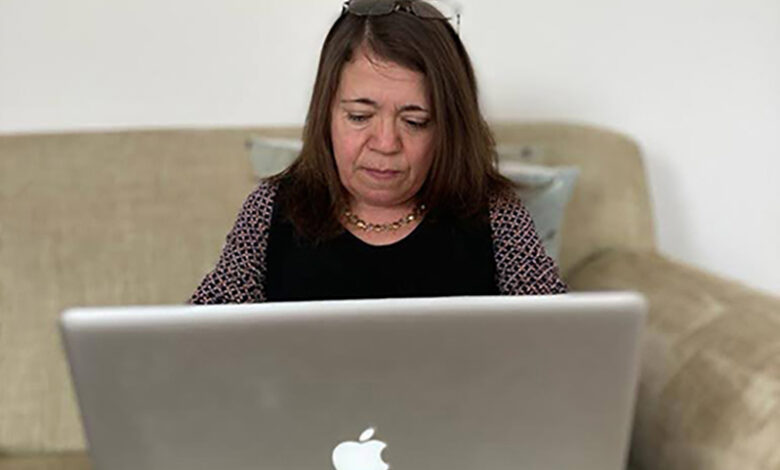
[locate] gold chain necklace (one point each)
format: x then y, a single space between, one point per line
361 224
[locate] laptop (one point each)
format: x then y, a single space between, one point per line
456 383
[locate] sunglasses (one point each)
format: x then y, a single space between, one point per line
430 10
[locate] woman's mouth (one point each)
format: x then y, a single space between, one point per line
382 174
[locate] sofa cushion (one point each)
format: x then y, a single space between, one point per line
709 389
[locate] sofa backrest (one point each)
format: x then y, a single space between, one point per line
139 217
99 219
610 207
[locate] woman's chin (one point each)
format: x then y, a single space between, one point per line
381 192
381 198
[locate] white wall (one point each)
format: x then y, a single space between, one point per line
696 82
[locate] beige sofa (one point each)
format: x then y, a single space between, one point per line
139 217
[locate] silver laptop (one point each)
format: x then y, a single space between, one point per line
457 383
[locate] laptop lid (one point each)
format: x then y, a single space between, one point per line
452 383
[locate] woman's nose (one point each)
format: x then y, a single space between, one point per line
386 138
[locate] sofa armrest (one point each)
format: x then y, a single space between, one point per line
709 388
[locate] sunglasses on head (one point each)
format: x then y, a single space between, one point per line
431 10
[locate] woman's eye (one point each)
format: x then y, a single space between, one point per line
418 124
359 118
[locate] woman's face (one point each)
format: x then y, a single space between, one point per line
382 132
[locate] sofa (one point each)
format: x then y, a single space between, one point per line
138 217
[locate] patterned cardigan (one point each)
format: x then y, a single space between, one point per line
522 266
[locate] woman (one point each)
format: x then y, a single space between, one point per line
395 192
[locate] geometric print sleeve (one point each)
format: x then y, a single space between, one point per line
522 265
239 276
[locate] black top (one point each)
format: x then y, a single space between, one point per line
441 257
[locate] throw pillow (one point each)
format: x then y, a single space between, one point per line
270 156
545 191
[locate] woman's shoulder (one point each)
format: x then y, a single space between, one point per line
265 193
258 207
522 263
507 208
265 190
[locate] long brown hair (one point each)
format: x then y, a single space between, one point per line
463 175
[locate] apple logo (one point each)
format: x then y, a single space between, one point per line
365 455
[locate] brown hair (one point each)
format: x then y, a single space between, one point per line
462 176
